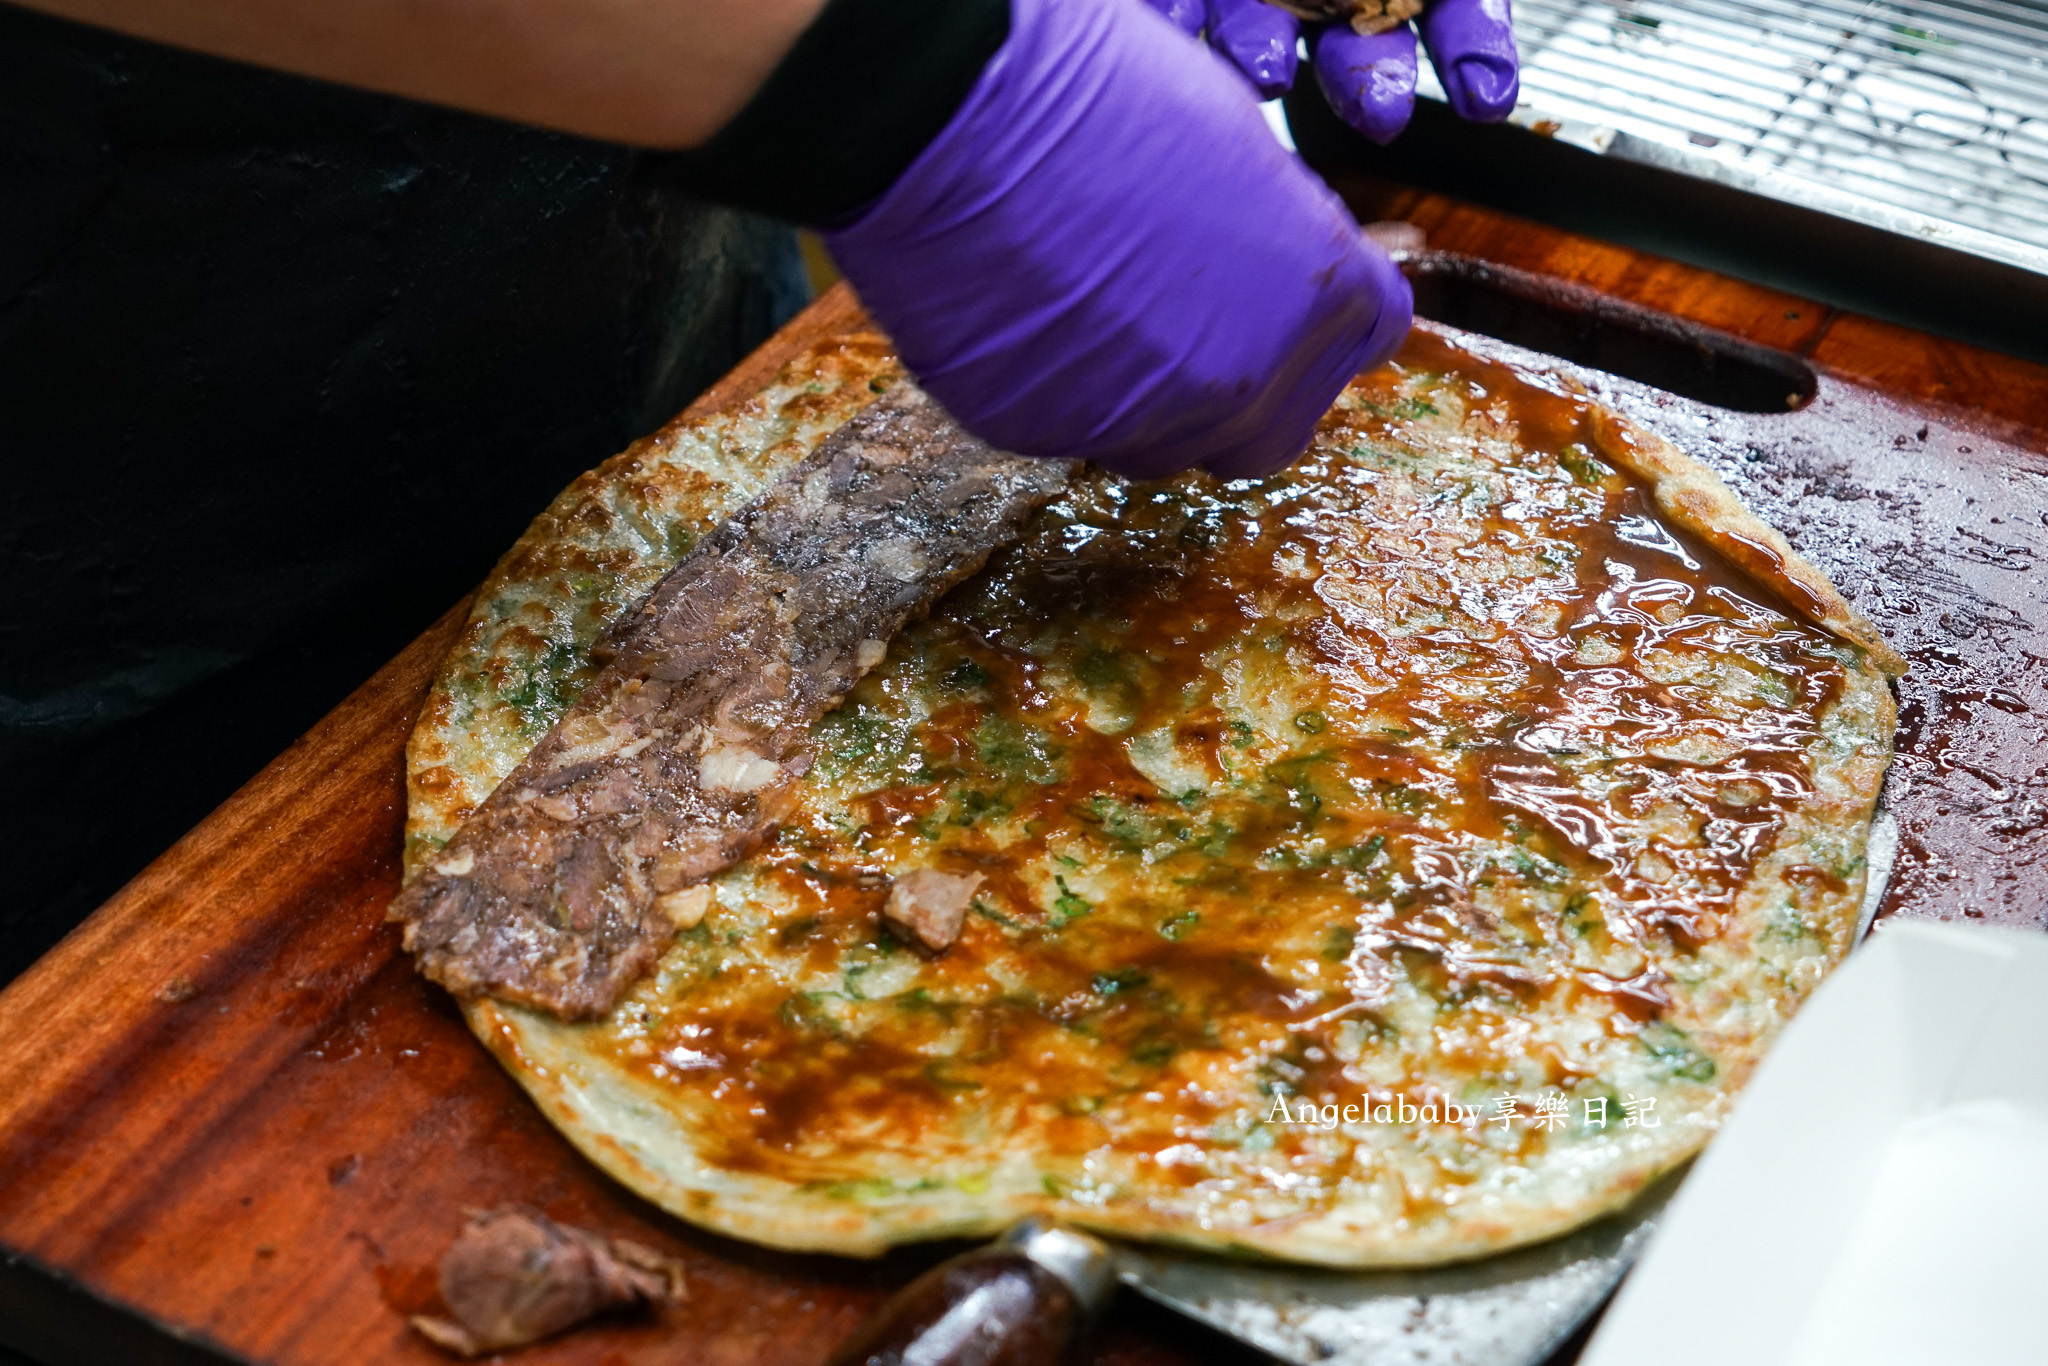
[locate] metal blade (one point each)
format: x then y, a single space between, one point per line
1510 1310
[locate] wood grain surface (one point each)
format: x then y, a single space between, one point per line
1977 387
228 1105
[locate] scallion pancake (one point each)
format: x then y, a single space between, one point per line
1395 860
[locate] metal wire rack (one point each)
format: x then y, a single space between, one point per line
1927 117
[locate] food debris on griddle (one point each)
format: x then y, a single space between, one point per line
515 1276
686 750
1365 16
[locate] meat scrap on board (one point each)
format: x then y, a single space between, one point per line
515 1276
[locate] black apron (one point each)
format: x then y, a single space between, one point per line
283 368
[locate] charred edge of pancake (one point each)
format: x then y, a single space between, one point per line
685 751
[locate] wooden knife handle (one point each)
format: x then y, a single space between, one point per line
1026 1300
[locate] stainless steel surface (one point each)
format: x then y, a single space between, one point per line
1082 1260
1511 1310
1922 117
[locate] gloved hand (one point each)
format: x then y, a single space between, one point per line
1369 79
1106 254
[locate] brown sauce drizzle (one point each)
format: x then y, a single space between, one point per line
1584 718
1769 567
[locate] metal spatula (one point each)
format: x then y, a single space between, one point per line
1028 1299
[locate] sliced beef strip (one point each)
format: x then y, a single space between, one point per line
686 750
515 1276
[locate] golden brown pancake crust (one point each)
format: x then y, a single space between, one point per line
1445 769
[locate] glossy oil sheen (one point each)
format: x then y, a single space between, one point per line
1424 769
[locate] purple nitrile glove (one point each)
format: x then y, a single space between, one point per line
1186 15
1370 78
1106 254
1259 39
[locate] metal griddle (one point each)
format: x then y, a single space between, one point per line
1888 156
1511 1310
1924 118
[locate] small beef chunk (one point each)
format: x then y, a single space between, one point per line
926 907
690 746
515 1276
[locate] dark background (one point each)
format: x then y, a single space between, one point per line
283 369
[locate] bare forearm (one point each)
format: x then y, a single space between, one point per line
658 73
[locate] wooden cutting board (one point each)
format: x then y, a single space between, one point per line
228 1107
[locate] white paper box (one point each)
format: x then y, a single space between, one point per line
1881 1194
